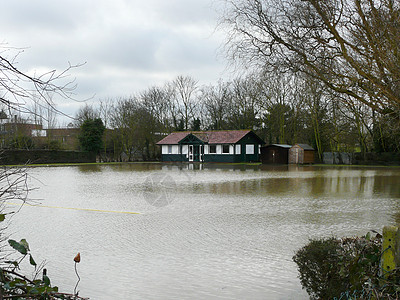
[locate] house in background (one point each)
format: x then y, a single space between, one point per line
275 154
230 146
66 137
301 154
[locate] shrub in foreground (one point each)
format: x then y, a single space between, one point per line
15 285
346 268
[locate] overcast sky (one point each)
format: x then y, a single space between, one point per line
127 45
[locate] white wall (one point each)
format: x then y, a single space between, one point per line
38 132
219 149
175 149
185 149
231 149
164 149
205 149
238 148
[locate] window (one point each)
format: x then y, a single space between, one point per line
185 149
249 149
164 149
169 149
225 149
213 149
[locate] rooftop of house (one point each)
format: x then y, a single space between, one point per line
210 137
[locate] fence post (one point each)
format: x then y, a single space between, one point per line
391 249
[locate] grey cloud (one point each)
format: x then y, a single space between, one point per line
183 12
128 45
38 15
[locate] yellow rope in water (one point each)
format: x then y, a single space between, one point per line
77 208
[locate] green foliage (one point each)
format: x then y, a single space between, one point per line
319 271
347 268
91 136
22 247
180 126
196 124
17 286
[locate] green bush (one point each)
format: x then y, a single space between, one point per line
319 270
53 145
347 268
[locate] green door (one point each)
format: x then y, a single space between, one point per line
196 153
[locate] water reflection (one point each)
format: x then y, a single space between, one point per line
312 187
227 231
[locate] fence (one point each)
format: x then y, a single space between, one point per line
369 158
18 157
342 158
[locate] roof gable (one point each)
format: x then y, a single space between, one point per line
191 139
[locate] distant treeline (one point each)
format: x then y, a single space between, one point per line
280 108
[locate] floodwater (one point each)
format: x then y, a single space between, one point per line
203 231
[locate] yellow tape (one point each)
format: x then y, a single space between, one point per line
76 208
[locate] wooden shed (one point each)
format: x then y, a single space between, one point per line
275 154
301 154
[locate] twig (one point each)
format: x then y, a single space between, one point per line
19 275
79 279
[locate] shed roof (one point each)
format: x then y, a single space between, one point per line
210 137
282 145
305 146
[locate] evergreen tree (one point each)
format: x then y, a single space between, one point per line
91 136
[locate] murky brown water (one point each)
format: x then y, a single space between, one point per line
203 232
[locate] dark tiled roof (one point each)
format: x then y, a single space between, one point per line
210 137
226 137
173 138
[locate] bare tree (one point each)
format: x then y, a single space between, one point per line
18 89
86 112
279 99
157 100
245 109
216 101
105 111
133 129
50 115
350 45
184 88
